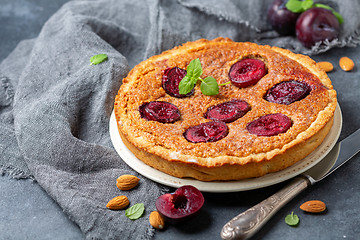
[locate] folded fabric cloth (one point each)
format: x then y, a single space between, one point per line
55 107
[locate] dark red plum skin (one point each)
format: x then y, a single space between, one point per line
160 111
281 19
227 111
316 25
287 92
269 125
207 132
180 205
247 72
170 82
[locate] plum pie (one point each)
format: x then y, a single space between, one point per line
276 109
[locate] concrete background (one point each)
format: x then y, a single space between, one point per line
27 212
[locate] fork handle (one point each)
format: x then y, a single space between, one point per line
249 222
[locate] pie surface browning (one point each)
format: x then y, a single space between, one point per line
240 154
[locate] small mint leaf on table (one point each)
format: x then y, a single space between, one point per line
292 219
136 211
209 86
99 58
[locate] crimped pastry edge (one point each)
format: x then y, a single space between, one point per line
228 172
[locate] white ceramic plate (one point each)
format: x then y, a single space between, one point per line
229 186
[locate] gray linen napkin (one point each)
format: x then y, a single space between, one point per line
55 106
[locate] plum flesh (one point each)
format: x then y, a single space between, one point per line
180 205
207 132
247 72
269 125
287 92
170 82
227 111
159 111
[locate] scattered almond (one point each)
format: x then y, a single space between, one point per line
156 220
326 66
346 64
313 206
117 203
127 182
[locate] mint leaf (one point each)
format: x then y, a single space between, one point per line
297 6
209 86
136 211
99 58
292 219
337 15
194 69
193 73
307 4
186 85
294 6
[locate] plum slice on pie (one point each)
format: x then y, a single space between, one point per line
269 125
159 111
227 111
287 92
247 72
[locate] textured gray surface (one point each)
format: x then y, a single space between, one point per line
26 211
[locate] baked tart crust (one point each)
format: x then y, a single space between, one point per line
240 154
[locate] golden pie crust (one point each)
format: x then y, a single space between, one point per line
240 154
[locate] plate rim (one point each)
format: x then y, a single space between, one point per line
227 186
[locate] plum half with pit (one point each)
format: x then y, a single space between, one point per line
317 25
269 125
206 132
170 82
159 111
247 72
287 92
227 111
282 19
180 205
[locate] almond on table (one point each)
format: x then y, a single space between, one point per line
346 64
127 182
156 220
313 206
117 203
326 66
